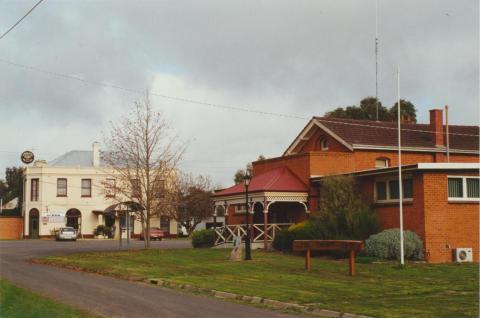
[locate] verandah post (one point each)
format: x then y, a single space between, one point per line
265 224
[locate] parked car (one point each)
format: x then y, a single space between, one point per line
155 234
66 233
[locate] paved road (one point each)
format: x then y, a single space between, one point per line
108 296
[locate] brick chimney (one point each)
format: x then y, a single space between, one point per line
436 125
96 154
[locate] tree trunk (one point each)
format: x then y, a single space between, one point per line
142 221
147 238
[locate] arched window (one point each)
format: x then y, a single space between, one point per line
382 162
324 144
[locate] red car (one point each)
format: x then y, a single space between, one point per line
155 234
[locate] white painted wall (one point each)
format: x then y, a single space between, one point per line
48 202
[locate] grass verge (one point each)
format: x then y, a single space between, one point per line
18 302
381 290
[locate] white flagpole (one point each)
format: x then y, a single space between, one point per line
376 57
400 183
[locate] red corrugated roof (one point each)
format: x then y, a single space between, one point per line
280 179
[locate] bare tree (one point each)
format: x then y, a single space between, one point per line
143 156
194 202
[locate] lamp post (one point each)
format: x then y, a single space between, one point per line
248 249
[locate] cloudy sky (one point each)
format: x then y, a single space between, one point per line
291 57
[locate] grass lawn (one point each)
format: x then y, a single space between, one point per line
382 290
18 302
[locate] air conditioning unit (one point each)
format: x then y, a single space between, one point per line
463 255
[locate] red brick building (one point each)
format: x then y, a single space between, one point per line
441 180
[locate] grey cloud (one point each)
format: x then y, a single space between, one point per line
298 57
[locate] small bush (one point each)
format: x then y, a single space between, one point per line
203 238
99 230
386 245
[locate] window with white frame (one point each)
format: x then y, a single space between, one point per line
382 162
387 190
464 188
86 188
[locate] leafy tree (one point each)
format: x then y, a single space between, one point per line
194 202
408 112
240 174
13 185
3 189
343 208
368 111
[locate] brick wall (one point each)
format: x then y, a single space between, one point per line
442 225
298 164
388 213
11 227
448 225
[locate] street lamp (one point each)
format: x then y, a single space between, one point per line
248 249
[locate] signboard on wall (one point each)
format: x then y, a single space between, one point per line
53 217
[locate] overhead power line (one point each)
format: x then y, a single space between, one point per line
20 20
202 103
136 91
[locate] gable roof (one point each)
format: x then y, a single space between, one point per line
280 179
368 134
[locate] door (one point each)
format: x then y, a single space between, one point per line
34 224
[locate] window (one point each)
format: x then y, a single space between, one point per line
61 187
472 188
110 188
388 190
407 188
382 162
464 188
324 144
381 190
136 188
86 187
240 208
34 189
165 224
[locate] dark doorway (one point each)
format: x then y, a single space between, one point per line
109 220
258 213
74 218
34 223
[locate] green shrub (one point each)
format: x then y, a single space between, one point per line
283 240
203 238
313 229
386 245
99 230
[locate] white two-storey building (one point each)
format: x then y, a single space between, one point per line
73 190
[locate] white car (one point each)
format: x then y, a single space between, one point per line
66 233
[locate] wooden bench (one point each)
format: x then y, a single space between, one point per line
329 245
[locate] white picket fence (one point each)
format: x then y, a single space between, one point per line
226 233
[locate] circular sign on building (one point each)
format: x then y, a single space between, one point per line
27 157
